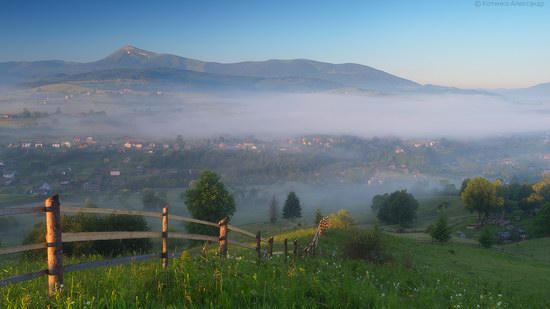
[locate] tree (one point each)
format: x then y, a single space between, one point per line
123 197
464 185
441 231
485 238
481 195
377 201
273 209
398 207
318 216
292 208
341 219
150 199
208 200
541 190
542 220
88 203
26 113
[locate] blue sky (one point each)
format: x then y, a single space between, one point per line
454 43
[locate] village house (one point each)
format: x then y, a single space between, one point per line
114 173
8 174
43 190
65 182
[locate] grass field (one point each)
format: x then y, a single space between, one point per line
418 276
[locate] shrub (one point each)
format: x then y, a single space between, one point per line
441 231
485 239
366 245
92 223
341 219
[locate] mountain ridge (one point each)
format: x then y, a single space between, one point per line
307 72
131 57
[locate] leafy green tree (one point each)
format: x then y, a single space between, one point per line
377 201
88 203
208 200
318 216
450 189
542 220
398 208
464 185
26 113
441 231
292 208
486 239
123 197
481 195
541 190
273 209
150 199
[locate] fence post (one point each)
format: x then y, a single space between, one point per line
164 254
223 237
285 243
270 248
295 247
54 244
259 244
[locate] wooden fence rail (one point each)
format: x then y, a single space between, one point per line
55 237
21 211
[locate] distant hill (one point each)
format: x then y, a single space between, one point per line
540 91
278 75
192 80
299 74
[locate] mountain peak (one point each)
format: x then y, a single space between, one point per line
128 48
134 51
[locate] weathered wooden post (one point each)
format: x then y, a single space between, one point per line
295 247
164 254
259 244
54 244
270 248
285 243
223 237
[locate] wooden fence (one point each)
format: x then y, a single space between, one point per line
55 237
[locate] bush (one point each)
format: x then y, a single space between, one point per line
341 219
441 231
92 223
366 245
486 239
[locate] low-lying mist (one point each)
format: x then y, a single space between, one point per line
284 115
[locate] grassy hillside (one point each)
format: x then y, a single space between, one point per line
418 276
